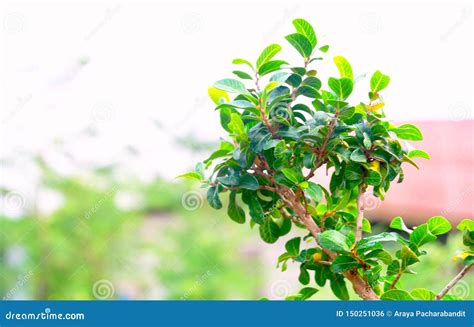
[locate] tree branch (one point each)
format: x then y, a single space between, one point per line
322 150
395 281
360 286
453 282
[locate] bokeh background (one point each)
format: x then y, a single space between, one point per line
104 103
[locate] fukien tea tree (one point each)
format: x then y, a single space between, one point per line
283 125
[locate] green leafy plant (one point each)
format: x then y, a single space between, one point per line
283 126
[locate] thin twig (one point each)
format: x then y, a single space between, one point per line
453 282
395 281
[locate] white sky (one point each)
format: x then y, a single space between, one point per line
156 60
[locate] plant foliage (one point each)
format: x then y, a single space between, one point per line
284 122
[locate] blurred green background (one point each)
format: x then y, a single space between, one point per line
110 236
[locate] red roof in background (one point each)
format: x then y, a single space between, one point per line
444 185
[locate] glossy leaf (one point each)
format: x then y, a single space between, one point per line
334 241
269 231
396 295
408 132
213 197
267 54
231 85
438 225
344 67
342 87
379 81
301 44
234 211
305 28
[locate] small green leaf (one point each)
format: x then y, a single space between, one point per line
393 268
438 225
314 191
358 156
305 28
217 96
339 288
304 276
398 223
408 257
231 85
213 197
379 81
271 66
301 44
293 175
255 210
307 292
418 154
234 211
236 126
408 132
242 75
334 241
421 235
240 61
380 254
344 67
366 227
249 182
293 246
466 224
191 175
343 263
423 294
342 86
373 178
324 48
269 231
396 295
267 54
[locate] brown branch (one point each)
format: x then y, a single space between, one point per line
290 199
322 150
288 216
360 286
453 282
265 120
395 281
